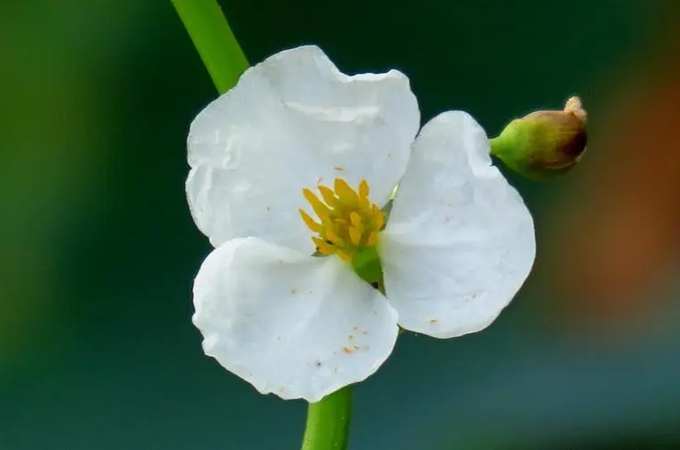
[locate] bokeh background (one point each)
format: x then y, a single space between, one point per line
98 250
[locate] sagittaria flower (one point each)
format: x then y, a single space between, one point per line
310 279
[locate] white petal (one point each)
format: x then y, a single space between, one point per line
292 122
460 241
288 323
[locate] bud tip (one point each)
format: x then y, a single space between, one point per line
575 107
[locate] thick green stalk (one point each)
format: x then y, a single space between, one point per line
328 422
210 32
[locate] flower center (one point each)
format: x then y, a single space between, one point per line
347 220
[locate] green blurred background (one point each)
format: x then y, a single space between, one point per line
98 250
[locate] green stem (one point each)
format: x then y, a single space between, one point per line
210 32
328 422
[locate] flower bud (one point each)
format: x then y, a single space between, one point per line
544 144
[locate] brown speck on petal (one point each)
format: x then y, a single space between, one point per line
432 320
339 169
347 350
350 337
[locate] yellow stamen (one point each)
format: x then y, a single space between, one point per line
328 196
379 217
311 224
355 218
344 192
346 222
323 247
372 239
319 208
355 236
363 189
334 238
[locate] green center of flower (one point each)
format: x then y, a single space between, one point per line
348 223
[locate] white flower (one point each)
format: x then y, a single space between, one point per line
457 246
